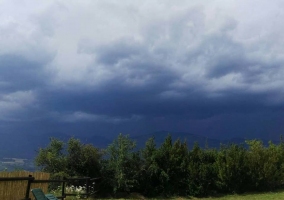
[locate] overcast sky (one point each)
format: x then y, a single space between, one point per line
213 68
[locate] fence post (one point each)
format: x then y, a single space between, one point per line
30 180
88 186
63 188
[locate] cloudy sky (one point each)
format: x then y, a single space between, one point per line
213 68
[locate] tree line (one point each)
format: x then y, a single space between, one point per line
171 169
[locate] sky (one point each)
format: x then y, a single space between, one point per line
89 67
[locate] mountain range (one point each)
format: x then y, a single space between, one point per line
26 146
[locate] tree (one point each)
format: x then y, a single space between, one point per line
121 165
51 159
179 159
71 159
149 174
202 171
167 166
265 165
232 168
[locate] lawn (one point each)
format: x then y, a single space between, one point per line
261 196
278 195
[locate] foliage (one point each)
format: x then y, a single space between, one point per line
71 159
232 168
265 165
121 165
79 192
82 159
202 171
172 159
52 159
164 169
149 173
170 169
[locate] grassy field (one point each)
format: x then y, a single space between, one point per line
260 196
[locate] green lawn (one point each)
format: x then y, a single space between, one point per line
260 196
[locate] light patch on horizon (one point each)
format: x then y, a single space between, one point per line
79 116
13 105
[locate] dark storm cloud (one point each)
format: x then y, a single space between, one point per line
133 65
19 73
223 56
181 67
112 53
146 76
144 103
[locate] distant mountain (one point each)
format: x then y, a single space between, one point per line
96 140
26 146
21 146
190 138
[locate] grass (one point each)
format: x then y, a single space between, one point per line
277 195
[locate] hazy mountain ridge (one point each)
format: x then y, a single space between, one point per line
26 146
191 139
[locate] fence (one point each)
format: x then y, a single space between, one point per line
13 185
17 185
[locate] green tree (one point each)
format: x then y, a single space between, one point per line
166 167
121 165
232 168
256 160
82 159
202 171
71 159
266 165
149 174
274 166
52 159
179 160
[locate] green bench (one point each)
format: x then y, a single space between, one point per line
39 195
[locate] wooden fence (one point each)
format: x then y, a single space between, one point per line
17 185
16 189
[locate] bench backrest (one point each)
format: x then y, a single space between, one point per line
38 194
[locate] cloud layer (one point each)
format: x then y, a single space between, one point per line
212 68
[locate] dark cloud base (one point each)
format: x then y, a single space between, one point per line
180 75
